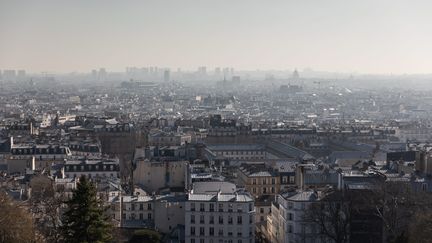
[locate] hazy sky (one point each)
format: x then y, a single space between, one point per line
375 36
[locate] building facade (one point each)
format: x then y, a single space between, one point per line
219 216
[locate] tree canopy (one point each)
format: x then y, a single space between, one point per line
85 219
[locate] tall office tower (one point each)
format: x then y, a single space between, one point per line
9 75
218 71
21 74
94 74
166 75
226 71
202 70
235 78
102 74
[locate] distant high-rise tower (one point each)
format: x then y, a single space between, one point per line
21 74
202 70
102 74
226 71
9 75
218 71
236 79
166 75
94 74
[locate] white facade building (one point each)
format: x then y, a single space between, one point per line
287 224
216 213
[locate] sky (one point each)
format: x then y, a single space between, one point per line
366 36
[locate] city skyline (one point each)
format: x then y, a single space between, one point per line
338 36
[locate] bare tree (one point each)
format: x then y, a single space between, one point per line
45 204
395 204
420 229
16 225
332 215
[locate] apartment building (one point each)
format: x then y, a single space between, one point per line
216 213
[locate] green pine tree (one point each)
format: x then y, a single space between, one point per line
85 219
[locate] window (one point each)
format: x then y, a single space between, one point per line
192 219
230 219
290 205
254 181
264 181
192 230
132 216
239 219
202 240
254 189
211 231
141 216
239 209
211 207
211 221
290 216
284 179
230 207
133 206
192 240
273 190
192 207
149 216
264 190
292 178
220 232
290 228
141 207
220 207
202 207
261 210
149 207
201 219
220 220
201 231
273 180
